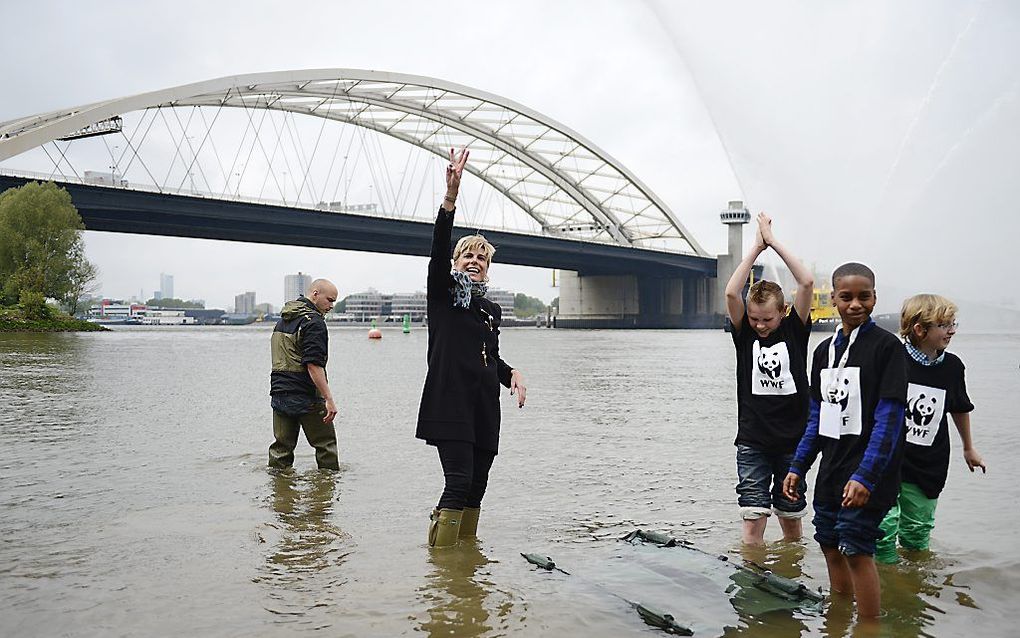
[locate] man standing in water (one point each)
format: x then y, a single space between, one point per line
300 393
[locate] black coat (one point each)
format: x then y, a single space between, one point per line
460 401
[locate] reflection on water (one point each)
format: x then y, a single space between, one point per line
456 592
305 548
133 485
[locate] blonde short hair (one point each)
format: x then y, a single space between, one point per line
927 310
763 290
477 243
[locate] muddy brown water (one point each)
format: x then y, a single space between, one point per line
134 499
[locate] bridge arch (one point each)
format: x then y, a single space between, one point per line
566 183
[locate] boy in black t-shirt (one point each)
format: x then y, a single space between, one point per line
937 388
772 388
858 387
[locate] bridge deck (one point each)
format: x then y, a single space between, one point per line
104 208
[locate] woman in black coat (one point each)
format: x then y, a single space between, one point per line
459 412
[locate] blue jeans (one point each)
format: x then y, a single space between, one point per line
760 478
853 530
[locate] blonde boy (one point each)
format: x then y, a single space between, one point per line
937 388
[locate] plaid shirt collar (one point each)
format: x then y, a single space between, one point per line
921 357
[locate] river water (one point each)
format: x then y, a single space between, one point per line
135 500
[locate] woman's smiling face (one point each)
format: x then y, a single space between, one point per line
474 262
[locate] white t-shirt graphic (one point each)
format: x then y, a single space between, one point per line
770 374
841 402
925 406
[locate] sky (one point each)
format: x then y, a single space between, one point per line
881 132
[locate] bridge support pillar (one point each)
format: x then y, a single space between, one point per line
636 301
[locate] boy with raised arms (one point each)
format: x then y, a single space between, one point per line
858 388
937 388
772 388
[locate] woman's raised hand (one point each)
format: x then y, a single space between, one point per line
454 170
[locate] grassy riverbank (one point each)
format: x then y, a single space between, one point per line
16 320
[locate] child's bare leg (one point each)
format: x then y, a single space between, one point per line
753 531
792 528
867 590
839 572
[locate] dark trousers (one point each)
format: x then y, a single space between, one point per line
466 469
320 435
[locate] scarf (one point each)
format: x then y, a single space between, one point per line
464 289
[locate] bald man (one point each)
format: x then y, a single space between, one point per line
300 394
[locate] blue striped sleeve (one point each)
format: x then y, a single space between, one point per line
882 444
807 449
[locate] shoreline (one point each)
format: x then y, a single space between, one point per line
13 322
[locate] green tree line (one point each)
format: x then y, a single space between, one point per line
172 302
525 306
42 253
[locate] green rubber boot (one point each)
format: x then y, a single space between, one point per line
444 527
469 522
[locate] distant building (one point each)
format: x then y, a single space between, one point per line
368 305
166 286
164 317
505 299
244 303
158 294
109 309
265 309
408 303
295 285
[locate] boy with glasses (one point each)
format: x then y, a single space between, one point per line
937 388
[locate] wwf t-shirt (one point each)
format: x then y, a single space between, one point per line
876 369
933 393
772 385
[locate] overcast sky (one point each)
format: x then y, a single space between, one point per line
875 131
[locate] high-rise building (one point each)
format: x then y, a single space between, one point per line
295 285
244 303
166 286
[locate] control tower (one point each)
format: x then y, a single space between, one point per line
735 216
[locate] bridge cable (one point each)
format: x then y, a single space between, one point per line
336 87
299 151
177 148
255 140
142 162
212 141
185 128
267 114
137 149
201 145
271 171
240 147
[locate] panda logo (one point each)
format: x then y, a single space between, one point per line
840 394
921 409
769 363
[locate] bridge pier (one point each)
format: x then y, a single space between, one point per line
637 301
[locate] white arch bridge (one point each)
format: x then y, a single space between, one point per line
251 158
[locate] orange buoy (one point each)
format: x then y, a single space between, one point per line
373 332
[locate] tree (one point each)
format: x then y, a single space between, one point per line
173 302
41 247
525 306
83 280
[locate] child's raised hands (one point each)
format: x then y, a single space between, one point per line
765 228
